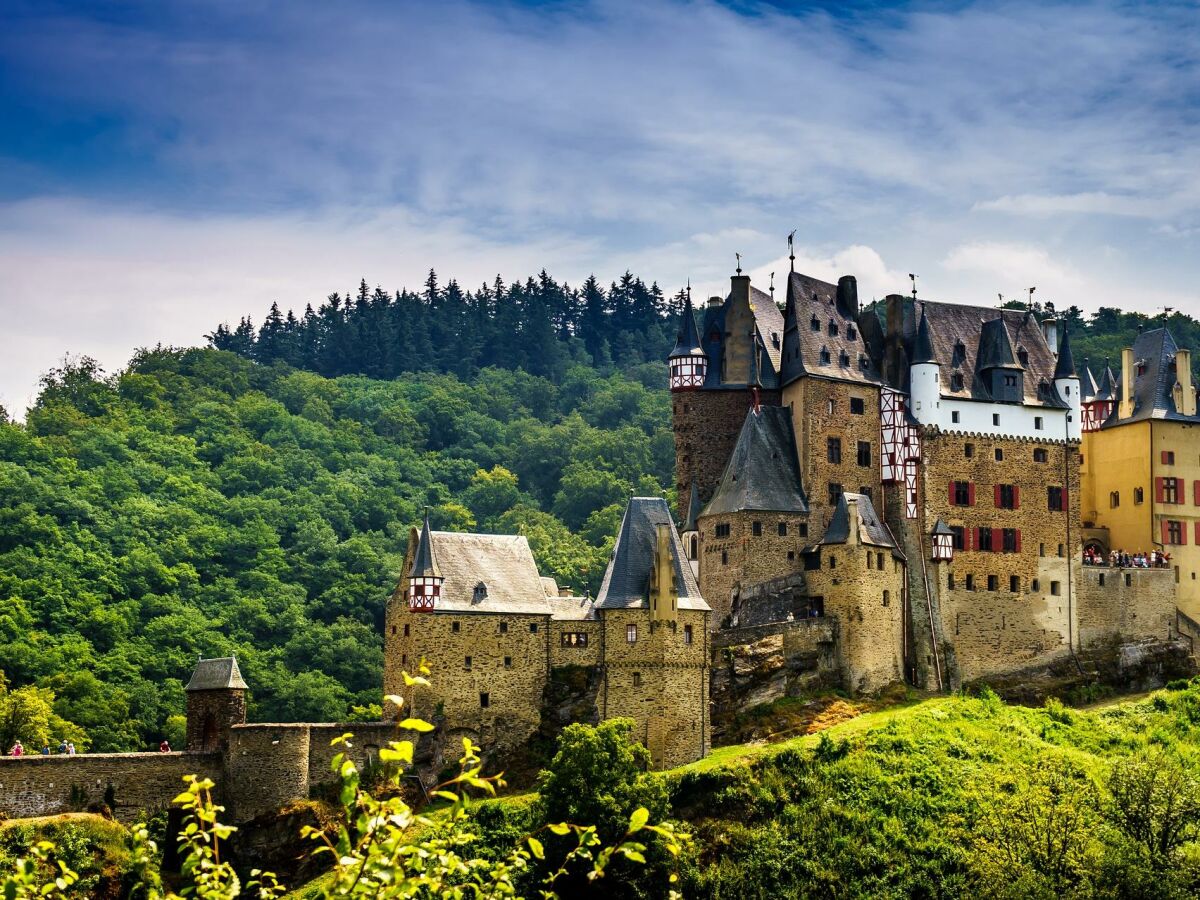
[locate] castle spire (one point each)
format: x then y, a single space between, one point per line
425 563
923 347
425 579
1065 367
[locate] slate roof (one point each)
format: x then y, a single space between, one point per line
871 530
217 675
1108 387
1087 383
922 345
940 527
762 472
1065 367
1152 392
964 343
694 508
626 582
850 358
687 342
503 564
769 323
425 562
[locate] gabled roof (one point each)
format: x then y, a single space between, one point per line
940 527
501 566
694 508
1153 391
217 675
425 562
763 471
957 335
871 530
687 343
1108 387
811 300
626 582
768 322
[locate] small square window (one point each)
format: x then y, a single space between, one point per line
1014 583
802 529
637 679
454 627
1139 495
993 582
857 407
1040 456
508 662
687 634
485 699
833 449
406 631
954 417
467 662
950 581
533 627
864 453
969 450
504 628
970 582
756 529
631 633
1035 585
995 418
783 529
1037 422
999 454
1056 588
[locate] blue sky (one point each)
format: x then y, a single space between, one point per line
167 166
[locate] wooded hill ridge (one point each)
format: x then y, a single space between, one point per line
257 502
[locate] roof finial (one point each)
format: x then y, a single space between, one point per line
792 249
739 263
1166 311
689 291
1031 290
1001 296
914 284
772 285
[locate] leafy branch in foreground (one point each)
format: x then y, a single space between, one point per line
383 848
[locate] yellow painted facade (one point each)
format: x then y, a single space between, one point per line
1118 462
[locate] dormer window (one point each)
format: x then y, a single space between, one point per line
815 324
1023 356
956 381
480 593
1141 368
833 329
774 338
844 359
825 358
960 353
863 363
851 332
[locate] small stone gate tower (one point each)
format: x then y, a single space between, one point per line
216 701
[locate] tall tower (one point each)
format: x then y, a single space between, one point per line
925 378
1066 382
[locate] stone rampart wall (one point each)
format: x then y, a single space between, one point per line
140 782
1130 604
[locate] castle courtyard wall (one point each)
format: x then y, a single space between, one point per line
1125 604
141 782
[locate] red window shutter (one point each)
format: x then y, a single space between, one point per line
1019 539
951 493
1198 533
971 493
1196 493
1166 534
1016 497
1163 457
996 495
997 540
974 533
1183 534
1158 492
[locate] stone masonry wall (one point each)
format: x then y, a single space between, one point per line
814 421
863 589
267 767
140 782
732 564
660 681
572 653
992 627
1130 604
706 426
509 662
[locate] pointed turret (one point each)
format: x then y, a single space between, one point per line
688 362
997 366
923 345
425 578
693 509
1087 383
1065 367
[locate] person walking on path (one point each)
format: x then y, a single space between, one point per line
17 750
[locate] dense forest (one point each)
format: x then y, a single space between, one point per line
203 502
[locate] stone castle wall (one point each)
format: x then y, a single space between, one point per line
730 565
660 681
814 421
1125 604
509 662
572 653
991 626
140 783
863 587
706 426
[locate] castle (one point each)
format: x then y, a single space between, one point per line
892 494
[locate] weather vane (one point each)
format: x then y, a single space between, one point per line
689 290
914 282
772 284
739 263
1167 310
792 249
1031 290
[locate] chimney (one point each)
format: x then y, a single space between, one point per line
739 287
1185 398
847 296
715 301
895 337
1127 375
852 538
1050 333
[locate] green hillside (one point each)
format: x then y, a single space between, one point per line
200 503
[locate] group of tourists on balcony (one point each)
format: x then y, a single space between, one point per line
1155 559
